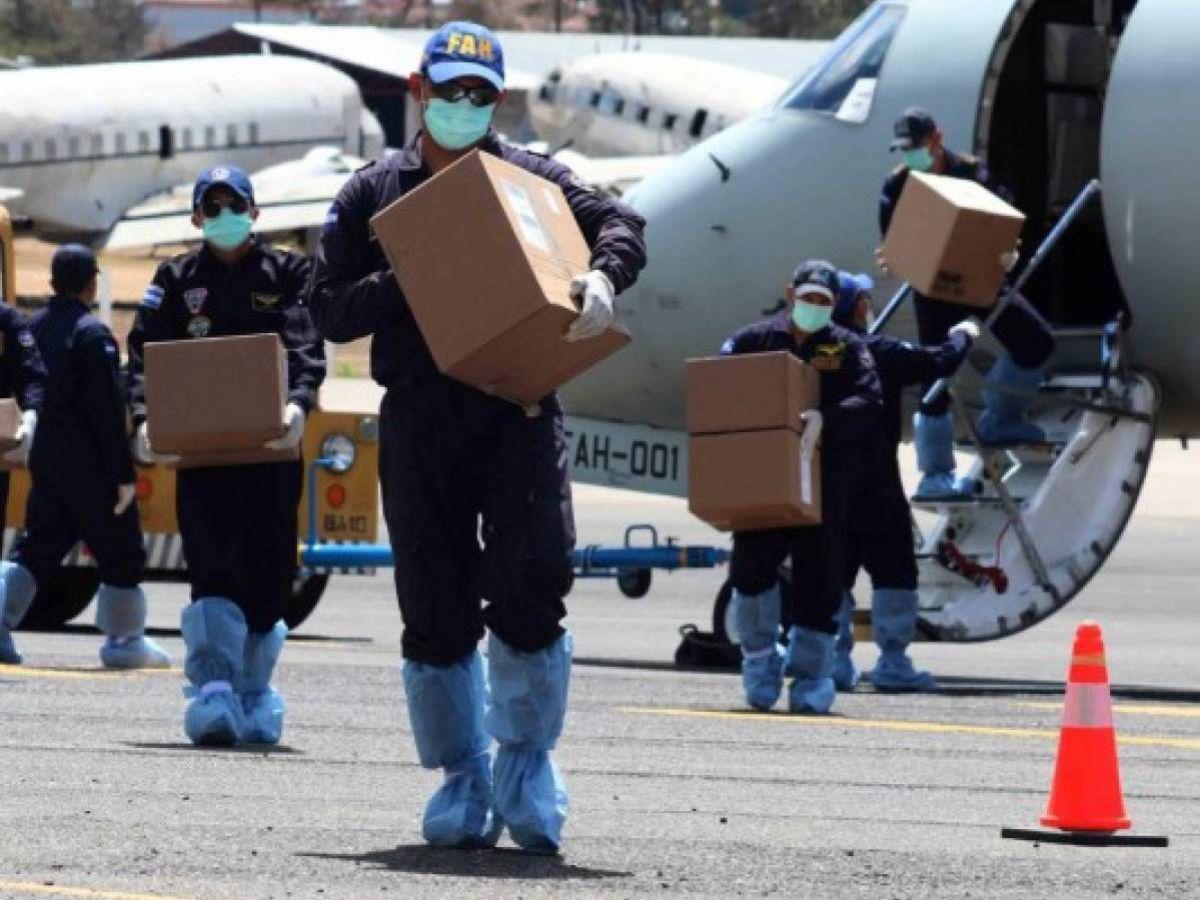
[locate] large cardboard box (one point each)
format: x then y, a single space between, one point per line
947 238
749 392
10 421
485 253
745 472
216 401
753 480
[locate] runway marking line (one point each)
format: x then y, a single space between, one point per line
7 670
1171 712
55 890
903 725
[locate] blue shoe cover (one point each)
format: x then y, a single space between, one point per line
17 589
214 631
895 673
944 486
894 622
525 714
445 709
262 705
137 652
845 673
121 615
460 813
810 664
1003 421
756 623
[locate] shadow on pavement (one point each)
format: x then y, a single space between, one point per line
257 749
421 859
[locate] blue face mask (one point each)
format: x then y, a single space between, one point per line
229 230
809 317
919 159
456 126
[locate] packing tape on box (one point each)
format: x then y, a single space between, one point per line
531 225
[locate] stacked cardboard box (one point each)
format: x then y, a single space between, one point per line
485 253
745 470
948 236
216 401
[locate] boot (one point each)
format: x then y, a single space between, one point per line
894 621
121 615
17 590
845 674
810 664
262 705
756 620
445 709
214 632
934 439
525 715
1003 421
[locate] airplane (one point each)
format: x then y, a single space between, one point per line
1051 93
79 145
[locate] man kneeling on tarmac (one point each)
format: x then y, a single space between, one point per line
851 402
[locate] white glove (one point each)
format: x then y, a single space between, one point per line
813 422
20 453
293 418
596 292
881 261
969 327
1010 259
126 493
143 450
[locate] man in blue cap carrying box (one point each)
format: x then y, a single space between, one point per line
459 468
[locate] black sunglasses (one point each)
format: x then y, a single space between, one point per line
212 208
452 92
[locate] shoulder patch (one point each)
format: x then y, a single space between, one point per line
25 338
153 297
110 347
727 348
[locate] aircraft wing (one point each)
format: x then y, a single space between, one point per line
7 194
292 196
613 174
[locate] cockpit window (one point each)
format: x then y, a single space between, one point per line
855 60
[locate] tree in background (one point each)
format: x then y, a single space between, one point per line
761 18
803 18
62 31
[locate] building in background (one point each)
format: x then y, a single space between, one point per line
174 22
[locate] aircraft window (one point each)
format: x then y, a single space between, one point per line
253 132
27 151
595 101
96 145
3 152
119 143
619 107
187 139
210 137
698 121
858 54
143 141
166 142
231 138
73 146
51 148
611 103
643 114
669 121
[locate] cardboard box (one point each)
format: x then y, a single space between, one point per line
947 236
750 392
753 480
485 253
216 401
10 421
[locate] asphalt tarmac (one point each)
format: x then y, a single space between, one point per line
675 788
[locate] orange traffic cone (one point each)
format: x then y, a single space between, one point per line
1085 795
1086 792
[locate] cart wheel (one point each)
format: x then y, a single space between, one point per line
62 598
634 583
306 594
722 607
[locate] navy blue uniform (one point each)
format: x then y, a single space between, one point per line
449 453
80 452
851 403
22 373
1020 328
239 524
879 535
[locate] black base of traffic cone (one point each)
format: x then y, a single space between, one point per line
1084 838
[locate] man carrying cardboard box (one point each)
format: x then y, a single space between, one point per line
845 424
82 472
239 523
1020 328
879 536
451 455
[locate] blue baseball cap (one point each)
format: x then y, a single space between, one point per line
228 176
849 287
72 268
460 49
816 276
912 128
